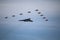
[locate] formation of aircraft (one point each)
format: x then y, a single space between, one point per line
29 19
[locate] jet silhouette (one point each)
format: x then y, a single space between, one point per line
41 15
6 17
27 20
36 10
13 15
39 12
46 20
21 14
44 17
29 11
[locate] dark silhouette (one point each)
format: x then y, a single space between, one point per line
13 15
46 20
21 14
39 12
41 15
26 20
6 17
36 10
29 11
44 17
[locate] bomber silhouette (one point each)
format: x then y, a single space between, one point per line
27 20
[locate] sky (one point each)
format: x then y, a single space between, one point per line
39 29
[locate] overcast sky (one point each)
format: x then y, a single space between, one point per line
50 9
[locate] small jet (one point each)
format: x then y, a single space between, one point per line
44 17
46 20
36 10
29 11
39 12
13 15
27 20
41 15
6 17
21 14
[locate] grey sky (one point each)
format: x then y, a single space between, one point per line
13 27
